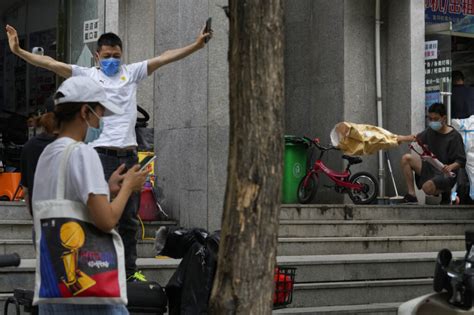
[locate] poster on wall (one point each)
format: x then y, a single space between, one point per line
91 31
460 12
431 50
438 68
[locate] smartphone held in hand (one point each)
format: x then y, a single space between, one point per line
38 51
146 161
208 28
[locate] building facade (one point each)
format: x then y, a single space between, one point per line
329 74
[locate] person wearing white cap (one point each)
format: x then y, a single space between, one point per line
118 143
80 106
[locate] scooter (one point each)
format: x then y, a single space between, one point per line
453 283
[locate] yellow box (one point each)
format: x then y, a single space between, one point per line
150 167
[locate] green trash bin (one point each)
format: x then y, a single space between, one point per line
294 167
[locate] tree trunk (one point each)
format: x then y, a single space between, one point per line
244 278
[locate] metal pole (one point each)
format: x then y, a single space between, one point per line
446 94
378 82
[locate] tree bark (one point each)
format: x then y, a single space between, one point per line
244 278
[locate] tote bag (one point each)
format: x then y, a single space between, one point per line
76 262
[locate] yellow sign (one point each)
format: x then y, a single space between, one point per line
150 167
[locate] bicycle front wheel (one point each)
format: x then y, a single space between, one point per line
307 192
369 191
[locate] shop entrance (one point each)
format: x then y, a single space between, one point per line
24 89
447 51
438 65
462 48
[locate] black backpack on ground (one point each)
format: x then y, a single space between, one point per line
146 297
190 287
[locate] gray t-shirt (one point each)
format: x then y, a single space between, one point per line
448 148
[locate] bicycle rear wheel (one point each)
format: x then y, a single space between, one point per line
369 191
307 192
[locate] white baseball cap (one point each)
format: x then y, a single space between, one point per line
79 89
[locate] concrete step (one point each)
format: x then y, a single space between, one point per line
310 269
359 292
294 246
17 211
159 270
145 249
22 229
23 276
150 227
18 277
25 248
375 212
362 228
16 229
14 210
367 309
359 267
12 310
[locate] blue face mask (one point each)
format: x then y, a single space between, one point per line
110 66
435 125
92 133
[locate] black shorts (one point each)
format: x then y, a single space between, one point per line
429 172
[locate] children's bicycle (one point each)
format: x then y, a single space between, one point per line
362 187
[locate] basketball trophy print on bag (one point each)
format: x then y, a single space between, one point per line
77 260
73 237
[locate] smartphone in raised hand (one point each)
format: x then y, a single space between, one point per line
146 161
38 51
208 28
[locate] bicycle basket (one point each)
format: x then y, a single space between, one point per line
284 283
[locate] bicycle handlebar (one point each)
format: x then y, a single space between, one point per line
318 145
10 260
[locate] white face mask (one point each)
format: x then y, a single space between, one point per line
93 133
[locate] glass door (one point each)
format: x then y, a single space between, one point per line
438 65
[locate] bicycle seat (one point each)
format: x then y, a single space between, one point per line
352 159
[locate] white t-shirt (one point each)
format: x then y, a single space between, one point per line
121 89
84 173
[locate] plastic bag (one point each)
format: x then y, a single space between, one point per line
189 288
361 139
466 129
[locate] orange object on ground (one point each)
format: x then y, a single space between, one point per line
9 183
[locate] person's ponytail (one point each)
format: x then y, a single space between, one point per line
48 122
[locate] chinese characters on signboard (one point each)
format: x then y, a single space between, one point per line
460 12
437 71
91 31
438 67
463 7
431 50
